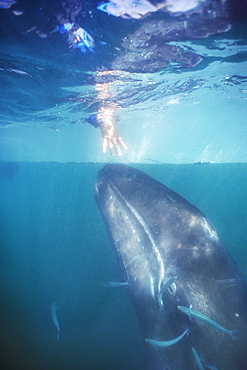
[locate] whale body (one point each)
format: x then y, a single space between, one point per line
161 239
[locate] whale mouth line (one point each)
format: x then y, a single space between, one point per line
137 226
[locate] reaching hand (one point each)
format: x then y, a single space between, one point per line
111 138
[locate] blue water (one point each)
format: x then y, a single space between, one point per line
54 247
53 243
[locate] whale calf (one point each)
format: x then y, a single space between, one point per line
160 238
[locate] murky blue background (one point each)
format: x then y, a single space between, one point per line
54 247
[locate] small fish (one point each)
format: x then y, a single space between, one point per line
114 284
166 343
197 359
42 35
32 29
166 286
207 320
7 3
17 71
54 317
17 12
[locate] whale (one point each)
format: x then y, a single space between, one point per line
178 274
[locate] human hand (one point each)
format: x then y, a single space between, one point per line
111 139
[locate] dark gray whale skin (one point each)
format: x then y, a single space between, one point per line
157 235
